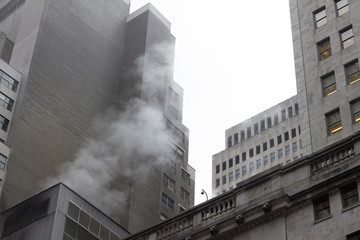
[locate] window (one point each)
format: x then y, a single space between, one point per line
264 146
248 132
266 160
322 207
280 153
8 81
320 17
324 49
217 182
251 153
236 138
169 183
290 112
276 119
184 195
350 195
272 157
237 159
288 161
229 141
279 139
299 130
217 168
243 156
269 122
342 6
286 136
242 135
355 110
296 109
252 167
173 111
231 176
272 143
353 236
352 72
185 176
224 166
258 149
283 115
258 163
347 37
262 125
4 123
224 179
230 162
293 132
237 173
287 150
294 146
175 132
3 160
334 122
163 217
328 84
256 128
167 202
6 102
244 170
172 166
178 152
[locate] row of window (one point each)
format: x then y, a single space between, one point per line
333 119
269 121
170 184
320 16
258 149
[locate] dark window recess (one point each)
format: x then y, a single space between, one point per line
272 143
264 146
217 168
237 159
223 166
279 139
256 128
283 115
290 112
262 125
230 141
350 195
242 135
299 130
269 122
258 149
276 119
243 156
230 162
293 132
236 138
251 153
322 207
248 132
353 236
286 136
296 109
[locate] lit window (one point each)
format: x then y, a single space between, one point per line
355 110
244 170
237 159
237 173
167 202
320 17
280 153
217 168
217 182
294 147
329 84
230 162
272 157
4 123
322 207
3 160
231 176
287 150
264 146
8 81
258 163
185 176
342 6
169 183
266 160
252 167
350 195
184 195
324 49
334 122
352 72
224 179
347 37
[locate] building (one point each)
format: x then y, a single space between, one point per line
72 61
326 108
315 197
58 213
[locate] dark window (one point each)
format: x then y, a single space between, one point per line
3 161
243 156
279 139
231 176
258 163
218 168
185 195
290 112
167 202
242 135
175 132
244 170
262 125
236 138
266 160
350 195
4 123
256 128
237 173
185 176
264 146
272 157
296 109
333 122
230 141
168 183
286 136
6 102
252 167
272 143
293 132
342 6
329 84
251 153
320 17
299 130
283 115
258 149
355 110
237 159
352 72
248 132
8 81
224 166
324 49
217 182
347 37
223 179
353 236
276 119
322 207
269 122
230 162
280 153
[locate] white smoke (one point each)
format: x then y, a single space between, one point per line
126 142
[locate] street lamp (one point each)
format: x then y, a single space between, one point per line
203 192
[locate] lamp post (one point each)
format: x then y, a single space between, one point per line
203 192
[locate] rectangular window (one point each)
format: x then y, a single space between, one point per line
272 143
217 168
352 72
258 163
283 115
231 177
320 17
342 6
6 102
252 167
322 207
229 141
217 182
237 159
264 146
4 123
242 135
175 132
244 170
8 81
223 179
237 173
355 110
329 84
248 132
178 152
169 183
293 132
184 195
290 112
334 121
280 153
286 136
3 160
173 111
236 138
350 195
279 139
324 49
287 150
294 145
276 119
269 122
230 162
296 109
266 160
347 37
257 149
185 176
256 128
172 166
243 156
167 202
272 157
223 166
262 125
251 153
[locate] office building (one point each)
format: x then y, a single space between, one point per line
71 62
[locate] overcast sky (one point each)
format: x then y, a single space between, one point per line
234 59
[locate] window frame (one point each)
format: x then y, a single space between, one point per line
320 204
322 19
328 87
349 40
356 73
335 127
353 191
324 49
355 114
342 9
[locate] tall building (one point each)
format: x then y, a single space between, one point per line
326 109
64 65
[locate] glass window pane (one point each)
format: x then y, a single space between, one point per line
70 227
347 34
343 10
73 211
